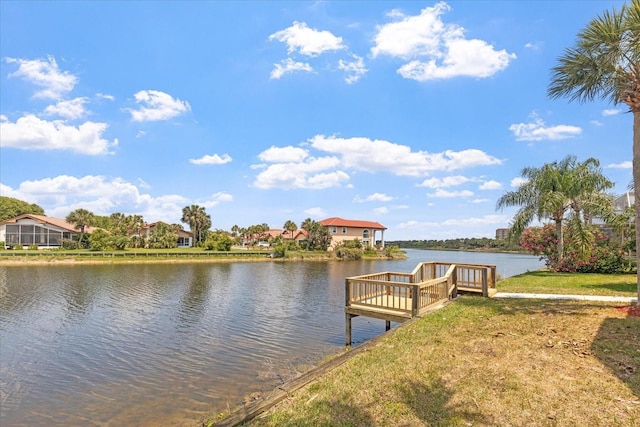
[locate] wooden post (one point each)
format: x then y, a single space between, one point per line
485 287
348 329
415 301
387 325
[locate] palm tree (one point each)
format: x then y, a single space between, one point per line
605 63
307 224
291 227
80 218
555 189
198 219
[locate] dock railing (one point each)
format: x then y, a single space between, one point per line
400 296
429 282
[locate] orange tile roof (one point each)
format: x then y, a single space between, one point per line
340 222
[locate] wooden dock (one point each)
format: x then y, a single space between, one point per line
397 297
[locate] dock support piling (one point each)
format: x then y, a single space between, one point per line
348 329
387 325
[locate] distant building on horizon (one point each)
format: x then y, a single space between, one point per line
502 233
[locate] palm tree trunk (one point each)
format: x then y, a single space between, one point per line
636 187
560 244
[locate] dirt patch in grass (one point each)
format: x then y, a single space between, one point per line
630 310
485 362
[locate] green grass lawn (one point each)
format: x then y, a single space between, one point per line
484 362
546 282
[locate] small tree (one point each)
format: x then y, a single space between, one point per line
81 219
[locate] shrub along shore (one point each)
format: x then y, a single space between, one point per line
481 361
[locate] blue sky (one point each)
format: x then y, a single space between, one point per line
418 115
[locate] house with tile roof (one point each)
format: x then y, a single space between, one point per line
40 230
350 229
185 238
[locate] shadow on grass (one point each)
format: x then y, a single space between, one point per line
617 287
432 404
617 346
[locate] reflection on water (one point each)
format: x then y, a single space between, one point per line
163 344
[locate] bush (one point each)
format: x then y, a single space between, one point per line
17 247
217 241
349 250
33 247
69 244
601 256
2 246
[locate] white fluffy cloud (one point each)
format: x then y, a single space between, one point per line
487 219
103 196
46 74
354 69
436 50
32 133
444 194
70 109
611 112
517 182
447 181
622 165
375 197
537 130
293 167
307 41
368 155
211 159
288 66
316 212
155 105
490 185
287 154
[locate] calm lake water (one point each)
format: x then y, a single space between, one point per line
165 344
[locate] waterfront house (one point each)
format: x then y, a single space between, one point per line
43 231
185 238
349 229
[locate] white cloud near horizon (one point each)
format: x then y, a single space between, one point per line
155 105
211 159
288 66
62 194
434 49
32 133
537 130
70 109
307 41
45 74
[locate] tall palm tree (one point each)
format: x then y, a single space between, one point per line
81 219
307 224
555 190
291 227
605 63
198 219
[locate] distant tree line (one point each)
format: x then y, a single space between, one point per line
471 244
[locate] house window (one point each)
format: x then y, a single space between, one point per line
365 234
334 230
344 230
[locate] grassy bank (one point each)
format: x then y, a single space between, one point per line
485 362
547 282
19 257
